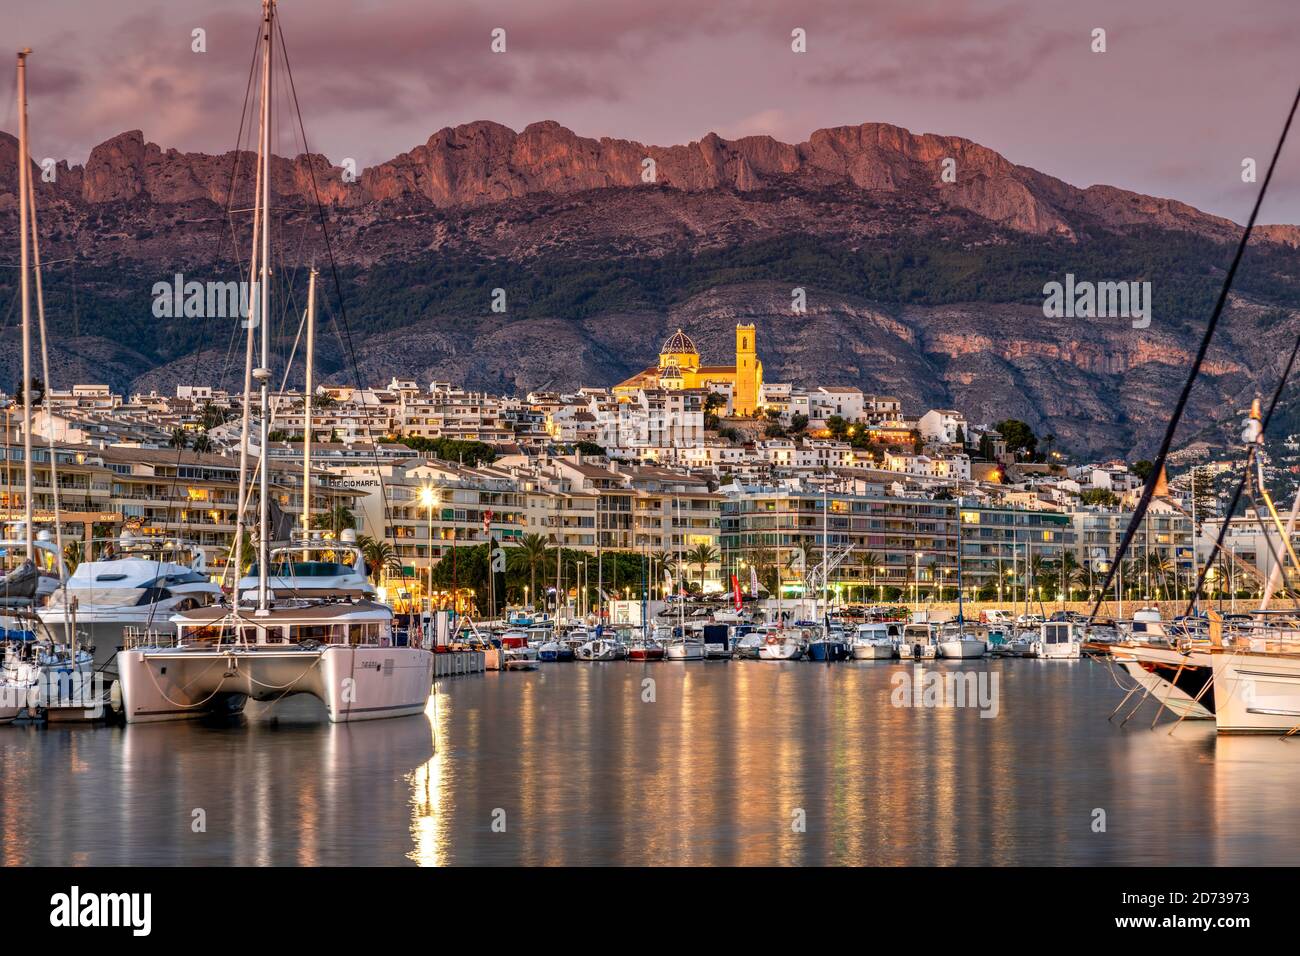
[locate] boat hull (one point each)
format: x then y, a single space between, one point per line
688 651
1255 692
828 651
873 652
354 682
780 651
964 648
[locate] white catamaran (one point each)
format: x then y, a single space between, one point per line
317 632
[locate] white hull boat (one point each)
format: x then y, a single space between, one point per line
962 648
1059 640
874 650
684 651
1256 691
776 648
599 650
341 653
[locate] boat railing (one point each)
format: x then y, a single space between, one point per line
133 637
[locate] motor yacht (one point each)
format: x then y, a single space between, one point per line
133 585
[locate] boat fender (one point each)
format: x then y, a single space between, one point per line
115 696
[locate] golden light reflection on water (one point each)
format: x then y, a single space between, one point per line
588 771
715 768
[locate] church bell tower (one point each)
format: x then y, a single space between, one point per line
749 372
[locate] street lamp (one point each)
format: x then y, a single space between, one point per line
428 498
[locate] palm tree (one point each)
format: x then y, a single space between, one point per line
702 555
1163 568
338 519
73 555
1069 574
202 443
381 557
179 439
1039 571
871 565
667 561
533 553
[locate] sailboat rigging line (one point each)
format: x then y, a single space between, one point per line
338 289
1276 558
216 258
284 381
1245 474
1158 466
70 637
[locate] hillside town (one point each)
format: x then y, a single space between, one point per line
710 465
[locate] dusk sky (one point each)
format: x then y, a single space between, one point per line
1186 89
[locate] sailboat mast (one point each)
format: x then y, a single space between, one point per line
306 434
24 174
263 373
825 576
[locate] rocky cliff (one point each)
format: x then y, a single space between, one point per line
927 289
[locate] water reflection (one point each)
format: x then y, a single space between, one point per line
582 767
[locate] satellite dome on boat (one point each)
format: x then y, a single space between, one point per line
43 535
348 536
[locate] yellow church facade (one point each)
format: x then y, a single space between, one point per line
679 368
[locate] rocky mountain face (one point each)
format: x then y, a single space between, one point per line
484 162
916 286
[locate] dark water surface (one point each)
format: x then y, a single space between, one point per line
718 769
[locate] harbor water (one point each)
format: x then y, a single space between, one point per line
710 763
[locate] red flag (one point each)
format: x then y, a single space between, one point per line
735 590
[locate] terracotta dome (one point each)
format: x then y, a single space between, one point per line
679 343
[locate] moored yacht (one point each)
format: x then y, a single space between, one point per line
313 566
781 645
956 642
918 642
29 581
341 652
134 585
600 649
1059 640
873 641
688 648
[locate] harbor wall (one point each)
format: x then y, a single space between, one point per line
455 663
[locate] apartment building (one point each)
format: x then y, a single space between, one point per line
913 540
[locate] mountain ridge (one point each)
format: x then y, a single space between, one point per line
484 162
915 287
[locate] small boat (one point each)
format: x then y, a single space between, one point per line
645 649
684 649
716 644
1059 641
747 645
918 643
873 642
829 646
17 685
513 637
956 643
519 664
555 651
599 649
781 646
524 653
